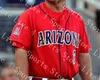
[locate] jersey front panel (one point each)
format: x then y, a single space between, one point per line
54 49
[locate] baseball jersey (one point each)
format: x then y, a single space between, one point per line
53 40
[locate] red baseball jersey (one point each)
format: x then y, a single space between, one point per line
54 41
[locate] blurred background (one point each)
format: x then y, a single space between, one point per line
88 9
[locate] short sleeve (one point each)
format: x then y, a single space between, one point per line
22 33
84 45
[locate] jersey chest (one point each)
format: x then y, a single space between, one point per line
49 32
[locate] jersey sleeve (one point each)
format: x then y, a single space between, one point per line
21 35
84 45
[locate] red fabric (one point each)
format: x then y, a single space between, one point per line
19 45
55 15
84 42
48 60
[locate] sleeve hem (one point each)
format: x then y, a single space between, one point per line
86 51
18 45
